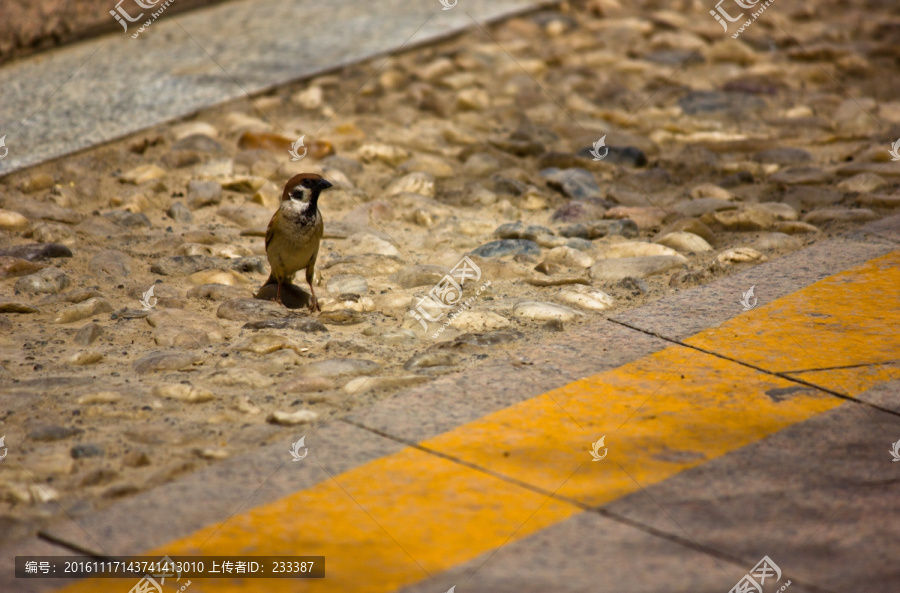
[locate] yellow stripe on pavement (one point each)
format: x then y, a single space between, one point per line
393 521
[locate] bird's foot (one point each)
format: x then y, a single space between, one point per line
314 305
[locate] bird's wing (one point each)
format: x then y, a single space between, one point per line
270 230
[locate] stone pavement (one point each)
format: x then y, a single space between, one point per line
765 433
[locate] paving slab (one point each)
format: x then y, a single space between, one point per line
820 498
32 546
105 88
214 494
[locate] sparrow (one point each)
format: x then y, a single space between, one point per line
294 233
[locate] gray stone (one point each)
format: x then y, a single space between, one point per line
37 251
624 227
203 193
87 334
198 143
507 247
430 360
805 197
184 265
700 102
638 267
179 213
110 265
481 164
165 361
250 310
801 176
418 275
575 183
839 215
348 284
47 281
295 323
86 450
635 285
128 219
516 230
699 207
87 308
576 211
52 432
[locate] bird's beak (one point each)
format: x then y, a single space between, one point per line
323 185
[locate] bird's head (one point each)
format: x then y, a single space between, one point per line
303 190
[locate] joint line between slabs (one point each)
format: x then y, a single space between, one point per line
759 369
612 516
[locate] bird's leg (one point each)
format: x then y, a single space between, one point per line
278 293
313 302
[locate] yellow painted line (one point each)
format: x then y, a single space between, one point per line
850 318
395 520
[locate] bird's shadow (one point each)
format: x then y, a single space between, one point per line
293 297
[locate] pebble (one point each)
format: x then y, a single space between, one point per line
37 182
92 306
203 193
826 215
783 156
240 377
539 311
577 211
365 243
417 183
348 302
291 418
180 213
87 334
517 230
110 265
702 206
709 190
740 255
630 156
337 367
307 385
361 385
576 183
250 310
128 219
685 242
639 267
14 307
768 241
566 256
37 251
248 216
295 323
520 147
384 153
801 176
435 166
182 265
880 200
227 277
50 211
391 335
778 210
507 247
432 359
418 275
84 358
47 281
165 361
749 219
197 143
805 197
479 321
12 221
630 249
601 228
347 283
86 450
863 183
142 174
793 227
643 217
596 300
11 267
183 393
52 432
480 165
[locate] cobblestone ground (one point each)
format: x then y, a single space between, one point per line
719 153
